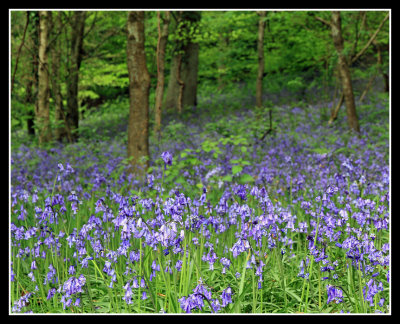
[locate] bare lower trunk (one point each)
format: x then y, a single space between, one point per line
344 72
42 112
31 84
61 128
379 63
161 45
182 84
30 102
139 85
189 75
34 44
72 115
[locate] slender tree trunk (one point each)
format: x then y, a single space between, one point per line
260 50
182 84
72 116
31 85
19 51
35 72
189 72
30 101
368 87
379 65
343 66
161 45
335 111
43 113
378 49
139 85
60 131
344 72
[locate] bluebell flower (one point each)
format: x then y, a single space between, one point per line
167 157
334 294
31 275
178 265
51 293
71 270
226 296
33 265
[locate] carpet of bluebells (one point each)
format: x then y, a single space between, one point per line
224 222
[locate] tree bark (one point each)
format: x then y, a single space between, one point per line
32 84
260 50
184 64
62 130
344 72
72 115
189 72
161 45
139 85
29 100
19 51
355 57
42 112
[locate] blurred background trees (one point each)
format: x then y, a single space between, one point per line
65 63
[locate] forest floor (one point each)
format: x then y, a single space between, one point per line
222 159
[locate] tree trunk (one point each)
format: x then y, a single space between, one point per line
260 50
161 45
344 72
385 76
19 51
184 64
30 101
189 71
139 85
42 112
60 131
72 116
32 84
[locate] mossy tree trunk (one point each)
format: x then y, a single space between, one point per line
182 84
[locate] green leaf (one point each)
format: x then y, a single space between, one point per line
236 169
181 180
245 178
227 178
293 294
